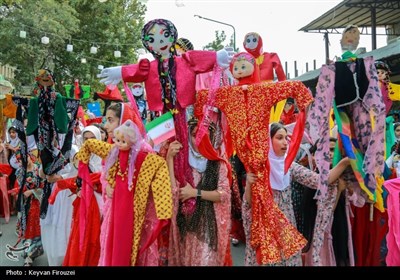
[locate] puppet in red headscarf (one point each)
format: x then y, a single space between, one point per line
247 107
269 64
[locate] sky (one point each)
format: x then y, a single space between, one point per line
277 21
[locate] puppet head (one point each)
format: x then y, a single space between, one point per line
125 135
137 90
183 45
245 69
383 71
350 38
253 44
45 78
159 38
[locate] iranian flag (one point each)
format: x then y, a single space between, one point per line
161 128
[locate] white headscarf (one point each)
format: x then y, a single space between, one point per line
279 181
196 160
95 161
70 170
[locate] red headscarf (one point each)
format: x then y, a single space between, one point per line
127 113
259 49
255 76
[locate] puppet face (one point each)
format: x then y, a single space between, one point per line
251 41
242 68
280 143
137 90
44 78
382 75
121 141
350 39
160 40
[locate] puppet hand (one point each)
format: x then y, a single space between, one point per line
224 57
111 75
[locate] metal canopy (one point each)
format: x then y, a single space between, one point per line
359 12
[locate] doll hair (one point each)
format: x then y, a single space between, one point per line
170 77
170 27
130 130
126 131
184 44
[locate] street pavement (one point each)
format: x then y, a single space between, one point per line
9 237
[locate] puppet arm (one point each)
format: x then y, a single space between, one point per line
97 147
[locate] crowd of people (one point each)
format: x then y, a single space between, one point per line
299 179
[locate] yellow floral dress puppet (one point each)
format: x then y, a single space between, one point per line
141 199
247 107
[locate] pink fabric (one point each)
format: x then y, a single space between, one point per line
203 81
187 66
191 251
6 203
148 248
393 235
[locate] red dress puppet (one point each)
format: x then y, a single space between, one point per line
247 107
269 64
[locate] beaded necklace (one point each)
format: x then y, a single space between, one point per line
119 171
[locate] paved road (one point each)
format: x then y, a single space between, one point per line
9 237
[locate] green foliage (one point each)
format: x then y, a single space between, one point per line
110 26
217 44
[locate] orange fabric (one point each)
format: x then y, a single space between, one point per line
10 109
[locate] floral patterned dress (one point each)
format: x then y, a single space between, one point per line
283 199
248 112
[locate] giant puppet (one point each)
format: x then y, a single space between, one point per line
169 82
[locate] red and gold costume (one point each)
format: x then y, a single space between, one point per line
248 112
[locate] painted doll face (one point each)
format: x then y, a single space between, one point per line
160 40
251 41
121 142
242 68
280 142
350 39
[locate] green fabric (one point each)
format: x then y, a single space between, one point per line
33 113
85 88
61 118
348 55
389 136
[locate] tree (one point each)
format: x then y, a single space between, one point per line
113 25
217 44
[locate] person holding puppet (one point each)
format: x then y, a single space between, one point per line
138 184
169 81
248 105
